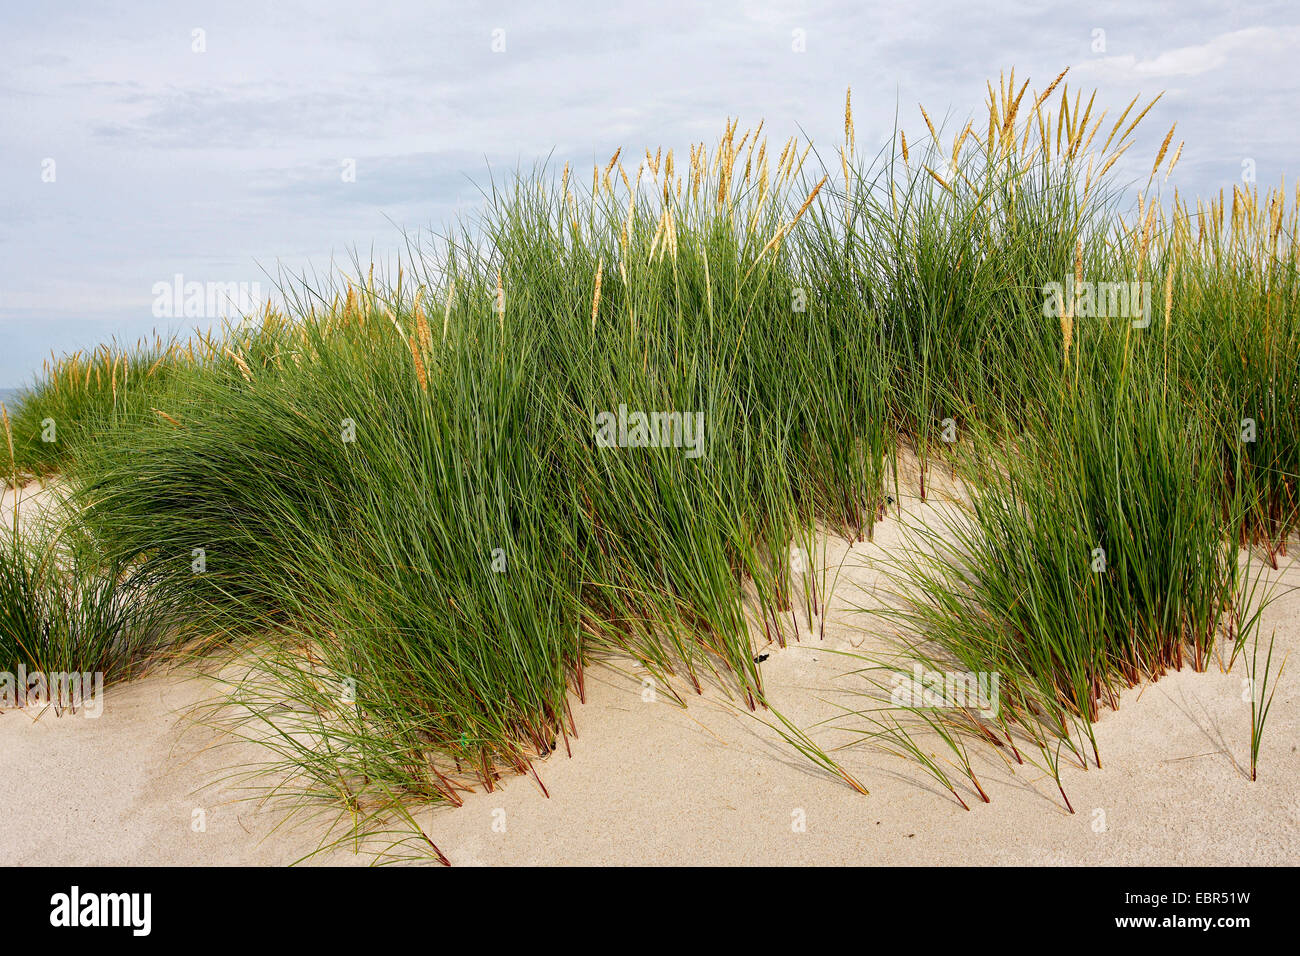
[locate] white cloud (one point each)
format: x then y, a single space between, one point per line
209 164
1244 49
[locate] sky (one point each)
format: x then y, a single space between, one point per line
225 142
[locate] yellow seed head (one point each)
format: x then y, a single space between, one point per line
422 327
930 126
1042 97
809 201
244 370
419 364
1155 167
939 179
1174 162
848 119
446 315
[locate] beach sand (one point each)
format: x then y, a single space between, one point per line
649 782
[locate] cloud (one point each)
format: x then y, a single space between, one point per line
222 163
1242 48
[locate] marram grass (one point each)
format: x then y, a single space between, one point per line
391 496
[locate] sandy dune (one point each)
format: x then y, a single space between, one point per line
652 783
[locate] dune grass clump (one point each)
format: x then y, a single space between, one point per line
384 522
81 396
79 393
1235 290
1089 558
66 613
1110 454
65 609
418 501
595 423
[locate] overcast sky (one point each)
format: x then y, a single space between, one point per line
221 163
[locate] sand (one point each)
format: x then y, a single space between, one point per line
652 783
